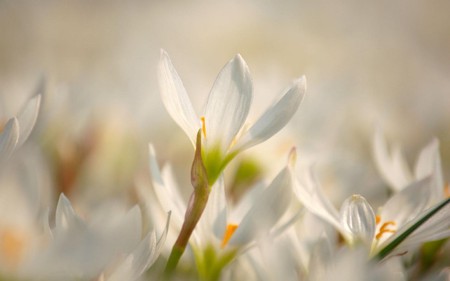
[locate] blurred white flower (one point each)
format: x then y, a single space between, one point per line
109 245
18 128
228 105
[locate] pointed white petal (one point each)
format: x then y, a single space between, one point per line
429 163
393 168
275 117
175 98
167 197
161 241
137 262
228 103
310 194
266 210
65 216
9 137
358 218
27 118
408 203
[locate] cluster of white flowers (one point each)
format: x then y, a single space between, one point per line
286 229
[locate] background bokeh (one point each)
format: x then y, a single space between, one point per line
368 64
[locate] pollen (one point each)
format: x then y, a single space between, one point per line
231 228
377 219
12 245
385 229
447 191
203 126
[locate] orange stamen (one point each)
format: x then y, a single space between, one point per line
12 246
231 228
203 126
377 219
447 190
385 229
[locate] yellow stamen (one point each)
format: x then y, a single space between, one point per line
377 219
12 245
203 126
231 228
385 229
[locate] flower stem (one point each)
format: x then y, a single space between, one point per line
196 206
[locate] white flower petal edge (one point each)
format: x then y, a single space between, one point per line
275 117
65 216
27 118
393 168
9 138
175 98
358 218
228 103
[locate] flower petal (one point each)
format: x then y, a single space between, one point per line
393 168
175 98
267 209
228 103
358 218
275 117
27 118
9 137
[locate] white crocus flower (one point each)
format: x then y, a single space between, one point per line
396 172
405 211
217 229
18 128
108 245
226 112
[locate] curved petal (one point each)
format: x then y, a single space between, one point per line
358 218
393 168
65 216
175 98
9 137
267 209
275 117
27 118
228 103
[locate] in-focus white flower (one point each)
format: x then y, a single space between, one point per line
396 172
220 228
110 245
226 111
18 128
358 223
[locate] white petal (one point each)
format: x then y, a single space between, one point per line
27 118
393 168
408 203
275 117
429 163
266 210
310 194
137 262
358 218
8 138
175 98
65 216
228 103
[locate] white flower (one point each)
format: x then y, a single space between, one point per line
405 211
108 245
226 111
17 129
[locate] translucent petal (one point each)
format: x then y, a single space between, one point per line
228 103
275 117
175 98
266 210
393 168
358 218
9 137
65 216
27 118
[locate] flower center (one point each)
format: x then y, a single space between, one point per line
231 228
12 245
203 126
384 228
